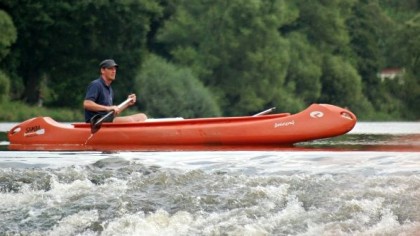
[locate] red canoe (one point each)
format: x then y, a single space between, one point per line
316 122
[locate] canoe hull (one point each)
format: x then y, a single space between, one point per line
316 122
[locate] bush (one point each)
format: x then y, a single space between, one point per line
165 90
18 111
4 86
8 33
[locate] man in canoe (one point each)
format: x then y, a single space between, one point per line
99 97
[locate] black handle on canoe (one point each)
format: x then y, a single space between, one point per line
97 120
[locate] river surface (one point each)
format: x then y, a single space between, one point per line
366 182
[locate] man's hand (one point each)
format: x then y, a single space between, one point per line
115 109
133 98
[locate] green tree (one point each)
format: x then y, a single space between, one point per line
329 55
324 24
405 53
305 69
249 54
166 90
410 94
4 86
368 27
64 41
404 48
7 38
234 47
8 33
341 84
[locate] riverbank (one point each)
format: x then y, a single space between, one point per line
19 111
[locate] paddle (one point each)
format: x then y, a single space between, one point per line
97 120
265 112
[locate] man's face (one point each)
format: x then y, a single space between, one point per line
109 73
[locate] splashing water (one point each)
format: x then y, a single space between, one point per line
212 193
360 191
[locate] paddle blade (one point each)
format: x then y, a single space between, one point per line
95 123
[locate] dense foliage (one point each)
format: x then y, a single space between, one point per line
233 57
182 93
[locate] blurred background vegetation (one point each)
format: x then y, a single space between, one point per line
209 58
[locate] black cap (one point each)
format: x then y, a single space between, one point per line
108 63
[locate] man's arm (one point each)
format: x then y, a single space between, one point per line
93 106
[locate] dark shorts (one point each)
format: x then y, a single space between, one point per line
109 119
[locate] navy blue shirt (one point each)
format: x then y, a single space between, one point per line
100 93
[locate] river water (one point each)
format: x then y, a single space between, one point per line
366 182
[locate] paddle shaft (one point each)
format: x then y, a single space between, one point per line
97 125
122 106
265 112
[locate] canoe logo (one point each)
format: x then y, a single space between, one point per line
316 114
34 130
287 123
